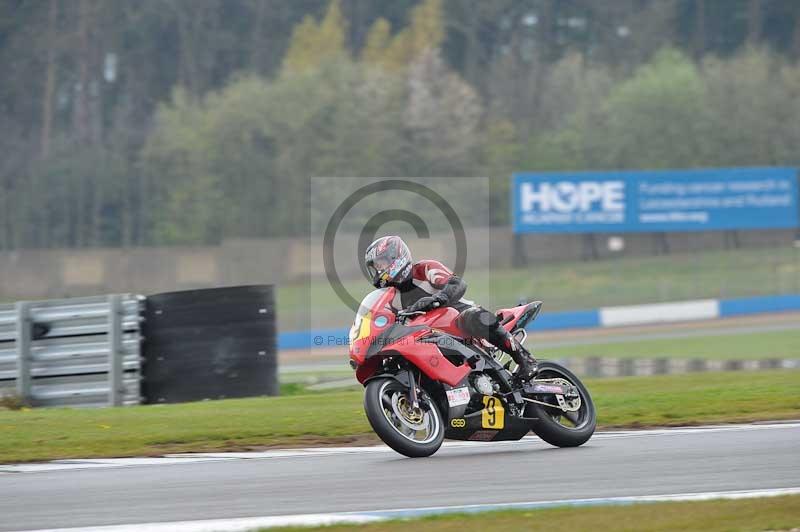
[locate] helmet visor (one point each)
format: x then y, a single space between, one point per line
382 263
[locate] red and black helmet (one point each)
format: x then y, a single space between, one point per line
388 261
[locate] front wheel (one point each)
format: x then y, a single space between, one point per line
554 425
412 431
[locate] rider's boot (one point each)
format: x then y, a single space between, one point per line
526 364
481 323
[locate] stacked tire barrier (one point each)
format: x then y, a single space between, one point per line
209 344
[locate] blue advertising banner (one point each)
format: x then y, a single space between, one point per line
663 200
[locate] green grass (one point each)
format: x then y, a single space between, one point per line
583 285
313 377
698 398
750 346
770 513
338 417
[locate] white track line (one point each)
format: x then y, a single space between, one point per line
250 523
228 525
173 459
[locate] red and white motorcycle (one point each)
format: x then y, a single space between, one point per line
426 381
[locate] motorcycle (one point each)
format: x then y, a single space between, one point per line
426 381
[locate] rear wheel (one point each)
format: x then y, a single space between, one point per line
412 431
554 425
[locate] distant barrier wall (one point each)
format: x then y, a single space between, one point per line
681 311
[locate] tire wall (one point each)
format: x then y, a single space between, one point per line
210 344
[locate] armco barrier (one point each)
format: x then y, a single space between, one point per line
72 352
680 311
630 367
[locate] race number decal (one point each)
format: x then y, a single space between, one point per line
493 414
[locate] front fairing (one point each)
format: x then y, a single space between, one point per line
376 330
374 316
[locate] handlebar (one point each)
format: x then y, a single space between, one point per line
408 314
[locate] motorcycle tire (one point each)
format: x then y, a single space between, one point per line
379 414
547 427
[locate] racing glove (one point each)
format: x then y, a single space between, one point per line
423 304
451 292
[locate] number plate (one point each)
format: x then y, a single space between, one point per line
458 396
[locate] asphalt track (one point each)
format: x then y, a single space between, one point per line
196 487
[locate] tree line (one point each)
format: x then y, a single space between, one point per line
185 122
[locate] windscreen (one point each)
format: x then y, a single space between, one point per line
369 301
363 309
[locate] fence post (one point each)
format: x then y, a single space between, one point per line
24 338
116 356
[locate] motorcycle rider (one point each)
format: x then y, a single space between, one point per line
428 284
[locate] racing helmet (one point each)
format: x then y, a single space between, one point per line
388 261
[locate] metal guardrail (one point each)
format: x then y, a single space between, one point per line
629 367
72 352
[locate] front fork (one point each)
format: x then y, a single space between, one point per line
412 388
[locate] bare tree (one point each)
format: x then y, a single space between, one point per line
754 20
50 81
699 40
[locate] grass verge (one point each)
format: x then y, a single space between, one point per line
770 513
338 417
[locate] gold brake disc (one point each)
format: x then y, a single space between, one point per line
413 418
